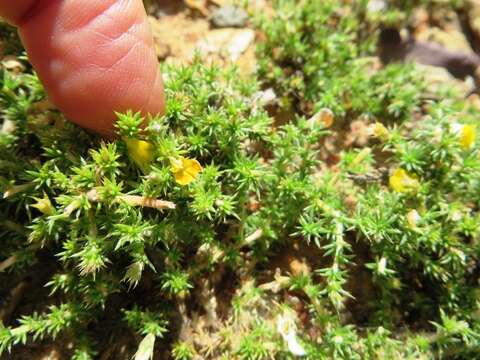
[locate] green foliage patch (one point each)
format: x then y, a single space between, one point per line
218 232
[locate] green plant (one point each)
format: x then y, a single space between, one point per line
316 56
221 233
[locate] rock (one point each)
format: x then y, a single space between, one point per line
439 79
420 20
473 101
240 43
265 97
176 35
394 47
219 2
229 16
446 18
473 17
447 32
197 5
376 6
163 50
452 39
229 43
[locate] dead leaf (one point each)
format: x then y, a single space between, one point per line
12 63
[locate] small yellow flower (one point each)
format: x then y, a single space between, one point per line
141 152
402 181
413 217
467 136
44 205
185 170
379 131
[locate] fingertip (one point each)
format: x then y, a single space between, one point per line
95 63
14 11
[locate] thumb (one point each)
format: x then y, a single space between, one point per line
93 57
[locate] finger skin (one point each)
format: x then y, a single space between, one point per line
94 58
14 10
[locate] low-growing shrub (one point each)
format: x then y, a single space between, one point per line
218 232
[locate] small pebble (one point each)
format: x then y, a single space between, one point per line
229 16
377 6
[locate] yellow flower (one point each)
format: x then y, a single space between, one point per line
44 205
141 152
401 181
467 136
379 131
185 170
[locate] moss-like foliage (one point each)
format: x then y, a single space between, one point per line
317 55
218 233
